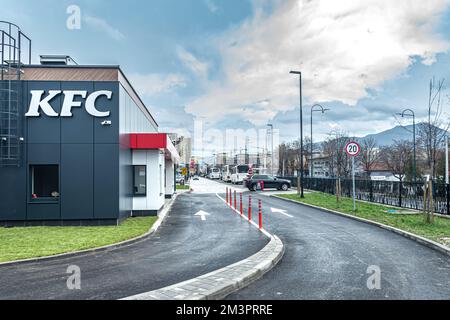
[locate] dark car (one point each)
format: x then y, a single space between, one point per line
270 182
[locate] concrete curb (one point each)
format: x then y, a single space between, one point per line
423 241
218 284
121 244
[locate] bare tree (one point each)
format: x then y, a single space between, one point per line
432 132
283 157
334 147
397 157
328 148
289 156
369 155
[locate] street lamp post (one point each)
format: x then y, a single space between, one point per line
271 147
410 113
314 109
301 133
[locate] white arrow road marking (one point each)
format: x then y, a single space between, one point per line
202 214
284 212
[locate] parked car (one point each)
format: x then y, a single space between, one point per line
215 174
270 182
256 171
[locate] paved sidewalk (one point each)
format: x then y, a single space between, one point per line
218 284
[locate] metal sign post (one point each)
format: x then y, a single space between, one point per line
447 173
354 184
353 149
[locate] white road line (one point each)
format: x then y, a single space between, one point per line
282 211
246 218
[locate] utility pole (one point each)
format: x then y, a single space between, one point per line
271 146
302 195
410 112
314 109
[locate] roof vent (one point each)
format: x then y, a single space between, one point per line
56 60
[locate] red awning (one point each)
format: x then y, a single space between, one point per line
152 141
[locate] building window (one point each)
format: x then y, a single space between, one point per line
45 182
140 181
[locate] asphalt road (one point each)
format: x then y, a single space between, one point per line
327 257
184 247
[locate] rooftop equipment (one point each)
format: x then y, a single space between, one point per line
57 60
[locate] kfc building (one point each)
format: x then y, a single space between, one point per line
78 146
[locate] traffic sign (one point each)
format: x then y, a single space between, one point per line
353 149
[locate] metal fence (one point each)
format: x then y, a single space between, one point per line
400 194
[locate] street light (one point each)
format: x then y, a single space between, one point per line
410 113
271 146
314 109
301 133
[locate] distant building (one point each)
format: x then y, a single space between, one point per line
321 165
223 159
379 172
183 146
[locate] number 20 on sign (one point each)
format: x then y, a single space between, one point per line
353 149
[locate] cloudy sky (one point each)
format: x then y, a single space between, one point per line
227 62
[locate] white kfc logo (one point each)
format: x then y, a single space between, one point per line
37 102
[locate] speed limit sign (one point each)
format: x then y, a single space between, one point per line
353 149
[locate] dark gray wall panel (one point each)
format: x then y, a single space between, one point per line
77 179
44 129
13 192
107 134
80 127
43 211
106 181
39 153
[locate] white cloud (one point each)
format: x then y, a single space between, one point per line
151 84
342 47
211 6
104 26
199 68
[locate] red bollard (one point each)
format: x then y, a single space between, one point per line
231 198
242 209
260 215
235 200
249 208
227 195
